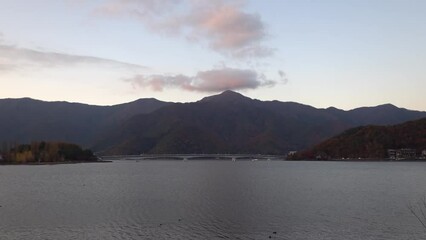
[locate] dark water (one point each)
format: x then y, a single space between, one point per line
212 200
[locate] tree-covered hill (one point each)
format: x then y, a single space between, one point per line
25 120
42 152
371 141
232 123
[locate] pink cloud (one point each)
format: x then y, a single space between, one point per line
216 80
223 25
227 25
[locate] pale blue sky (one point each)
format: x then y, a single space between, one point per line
345 54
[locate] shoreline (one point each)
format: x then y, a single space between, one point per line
358 160
195 160
50 163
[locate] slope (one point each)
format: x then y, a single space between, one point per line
371 141
232 123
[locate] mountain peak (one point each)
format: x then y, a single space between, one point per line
388 106
226 96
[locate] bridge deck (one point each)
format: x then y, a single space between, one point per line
231 157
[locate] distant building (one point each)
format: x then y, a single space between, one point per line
322 156
403 153
424 153
392 153
291 153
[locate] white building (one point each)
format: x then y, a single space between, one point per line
292 153
403 153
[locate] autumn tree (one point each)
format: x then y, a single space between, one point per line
47 152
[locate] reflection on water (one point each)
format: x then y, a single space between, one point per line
211 200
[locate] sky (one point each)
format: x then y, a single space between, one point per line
340 53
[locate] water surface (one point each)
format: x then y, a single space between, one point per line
212 200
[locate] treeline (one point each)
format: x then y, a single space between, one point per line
370 142
46 152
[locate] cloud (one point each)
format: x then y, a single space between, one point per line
15 57
6 67
216 80
283 77
223 25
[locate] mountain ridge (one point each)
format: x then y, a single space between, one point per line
204 99
232 123
226 122
25 119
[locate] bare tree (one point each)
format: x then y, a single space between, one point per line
419 210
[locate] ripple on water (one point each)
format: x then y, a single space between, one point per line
213 200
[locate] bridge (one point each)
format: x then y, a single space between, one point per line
187 157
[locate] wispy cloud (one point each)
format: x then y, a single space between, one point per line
215 80
283 77
16 57
223 25
6 67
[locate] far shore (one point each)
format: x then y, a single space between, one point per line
221 160
52 163
359 160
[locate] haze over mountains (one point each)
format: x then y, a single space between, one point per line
224 123
25 120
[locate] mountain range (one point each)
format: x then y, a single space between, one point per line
24 120
225 123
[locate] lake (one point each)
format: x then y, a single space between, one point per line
212 200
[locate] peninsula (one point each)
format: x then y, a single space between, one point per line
45 153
